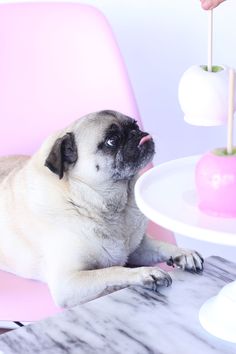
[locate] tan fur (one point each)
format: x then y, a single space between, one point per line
77 233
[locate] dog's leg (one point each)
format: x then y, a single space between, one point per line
79 287
152 251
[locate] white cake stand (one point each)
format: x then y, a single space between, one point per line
166 195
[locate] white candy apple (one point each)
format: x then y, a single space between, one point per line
203 95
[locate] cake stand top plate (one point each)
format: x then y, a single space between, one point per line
166 194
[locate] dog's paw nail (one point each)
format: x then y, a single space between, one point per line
170 262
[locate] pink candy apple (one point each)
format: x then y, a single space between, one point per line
216 183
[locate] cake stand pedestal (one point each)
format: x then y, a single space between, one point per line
166 195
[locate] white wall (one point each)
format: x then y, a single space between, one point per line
159 40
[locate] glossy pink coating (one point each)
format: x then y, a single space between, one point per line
216 184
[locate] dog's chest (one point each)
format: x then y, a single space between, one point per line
113 253
121 236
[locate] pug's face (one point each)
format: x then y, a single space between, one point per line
101 146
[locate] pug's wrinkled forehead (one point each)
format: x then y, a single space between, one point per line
119 117
105 118
100 125
118 122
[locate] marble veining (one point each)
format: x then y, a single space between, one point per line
133 320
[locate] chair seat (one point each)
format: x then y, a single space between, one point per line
24 300
58 61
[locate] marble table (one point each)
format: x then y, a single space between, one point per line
133 320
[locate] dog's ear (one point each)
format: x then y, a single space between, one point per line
63 153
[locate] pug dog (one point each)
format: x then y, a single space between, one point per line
68 215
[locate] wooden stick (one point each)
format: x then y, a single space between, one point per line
230 112
210 40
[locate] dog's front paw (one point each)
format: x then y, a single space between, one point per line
154 277
187 260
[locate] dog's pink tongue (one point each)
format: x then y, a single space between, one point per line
145 139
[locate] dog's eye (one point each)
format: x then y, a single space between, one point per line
112 141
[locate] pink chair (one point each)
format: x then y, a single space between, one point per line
58 62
